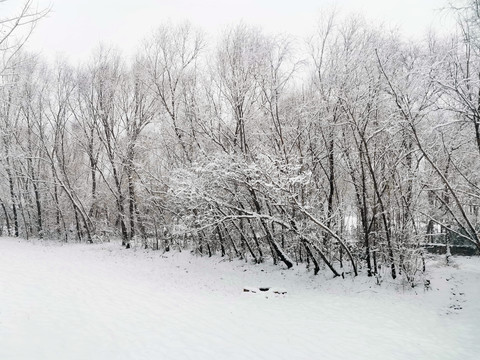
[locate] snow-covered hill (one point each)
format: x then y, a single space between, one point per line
100 301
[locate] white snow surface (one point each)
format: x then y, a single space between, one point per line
101 301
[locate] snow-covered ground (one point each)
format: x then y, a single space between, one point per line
100 301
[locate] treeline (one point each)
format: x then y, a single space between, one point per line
348 152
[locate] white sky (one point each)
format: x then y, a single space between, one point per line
75 27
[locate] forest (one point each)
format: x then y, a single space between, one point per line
351 150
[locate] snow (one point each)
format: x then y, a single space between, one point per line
101 301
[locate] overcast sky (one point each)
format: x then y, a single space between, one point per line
75 27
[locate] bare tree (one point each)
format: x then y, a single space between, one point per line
171 58
15 31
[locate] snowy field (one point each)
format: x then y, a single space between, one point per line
100 301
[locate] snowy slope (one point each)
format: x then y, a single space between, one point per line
103 302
